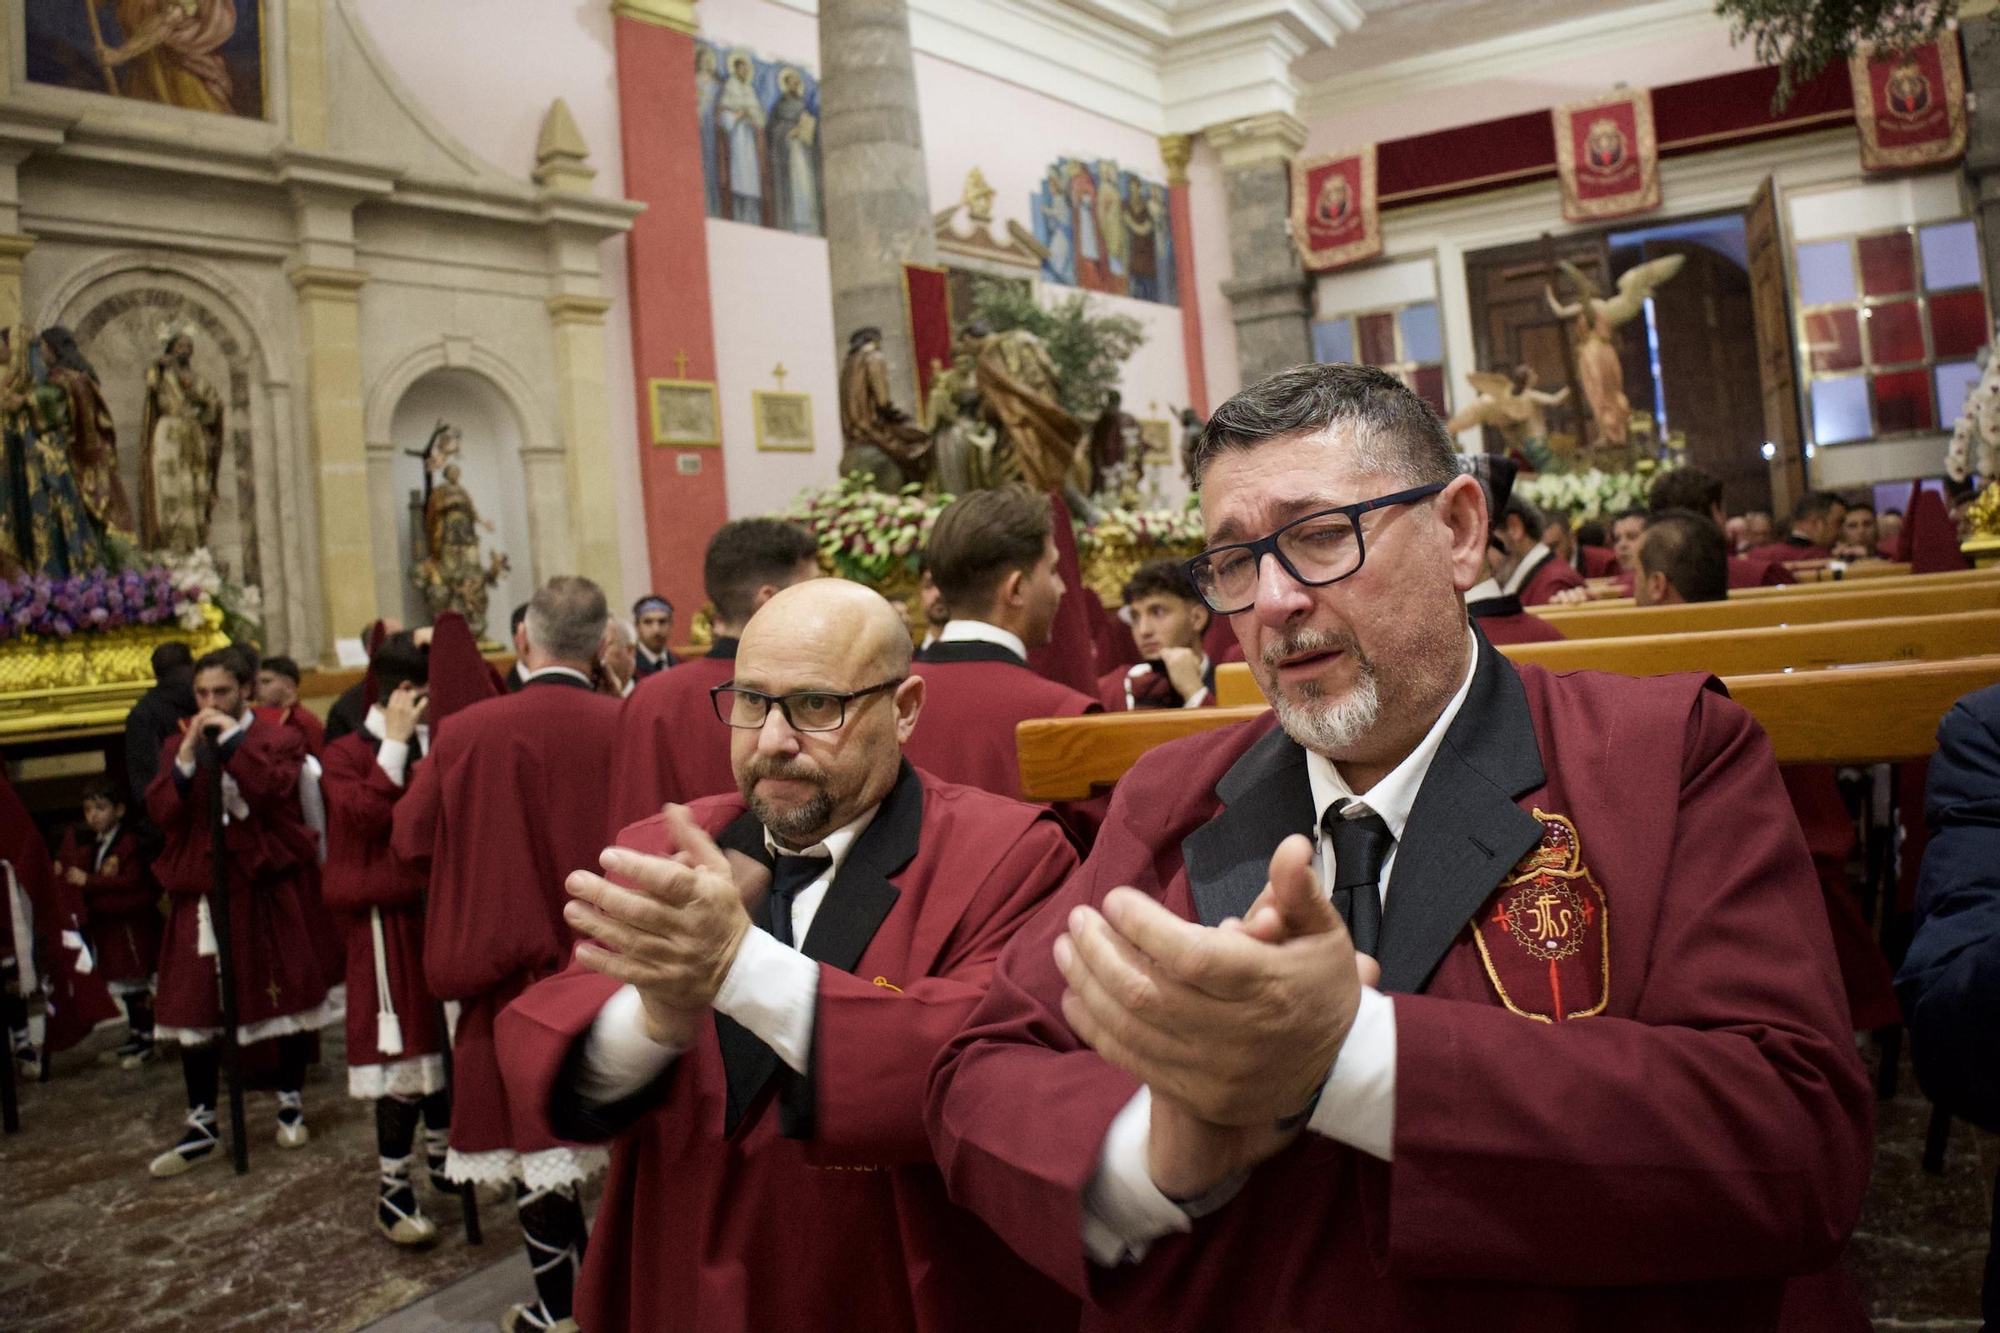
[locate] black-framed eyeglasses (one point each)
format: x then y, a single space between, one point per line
1317 549
806 710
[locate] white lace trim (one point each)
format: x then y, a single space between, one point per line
550 1168
331 1010
419 1077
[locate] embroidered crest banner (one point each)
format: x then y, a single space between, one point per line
1335 220
1607 156
1910 106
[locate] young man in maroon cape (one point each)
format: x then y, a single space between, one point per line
1531 571
1450 995
992 555
1815 528
670 745
51 992
511 799
762 1065
395 1041
1168 622
102 861
1499 615
270 853
1700 491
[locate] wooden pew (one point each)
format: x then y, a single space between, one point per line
1862 715
1803 608
1731 652
1806 587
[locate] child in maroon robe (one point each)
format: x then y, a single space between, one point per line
50 993
268 851
102 859
395 1040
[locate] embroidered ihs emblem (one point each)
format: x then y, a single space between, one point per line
1544 934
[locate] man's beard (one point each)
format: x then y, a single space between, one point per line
1323 726
799 821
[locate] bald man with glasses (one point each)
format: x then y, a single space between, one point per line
765 980
1384 1011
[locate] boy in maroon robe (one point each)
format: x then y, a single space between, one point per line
394 1038
512 799
993 557
50 991
1533 1064
1532 571
670 745
761 1070
269 851
1168 622
1495 614
102 860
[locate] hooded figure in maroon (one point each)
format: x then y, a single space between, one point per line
770 1169
510 800
1385 1012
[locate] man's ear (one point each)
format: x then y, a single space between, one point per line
765 592
1009 593
1202 617
909 701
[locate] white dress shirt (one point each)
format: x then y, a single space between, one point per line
978 631
771 989
1195 700
1484 591
392 756
1537 556
1124 1211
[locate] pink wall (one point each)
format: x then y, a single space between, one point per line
507 61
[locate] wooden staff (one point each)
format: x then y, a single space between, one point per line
218 912
97 44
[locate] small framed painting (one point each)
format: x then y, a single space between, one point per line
1158 434
684 414
784 421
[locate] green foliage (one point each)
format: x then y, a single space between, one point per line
1802 37
1085 347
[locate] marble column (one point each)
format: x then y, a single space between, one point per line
330 327
1981 39
1175 150
14 243
878 206
584 410
1269 291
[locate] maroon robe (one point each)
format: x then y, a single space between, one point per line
304 721
121 906
1153 690
1597 562
362 873
821 1207
1502 620
975 693
1745 572
510 801
1550 577
671 746
1865 975
269 856
1666 1164
1070 655
1790 551
76 1001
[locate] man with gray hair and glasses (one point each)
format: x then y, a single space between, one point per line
1383 1011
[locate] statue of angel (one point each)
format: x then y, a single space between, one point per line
1513 406
1597 368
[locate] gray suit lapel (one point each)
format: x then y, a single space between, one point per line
1465 831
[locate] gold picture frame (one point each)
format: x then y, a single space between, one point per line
685 415
1158 435
784 421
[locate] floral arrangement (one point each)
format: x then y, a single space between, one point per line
1592 494
177 593
865 535
1159 529
84 603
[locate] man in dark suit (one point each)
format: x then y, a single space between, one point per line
516 677
1950 982
653 618
1334 1025
156 716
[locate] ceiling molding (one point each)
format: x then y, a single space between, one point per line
1664 20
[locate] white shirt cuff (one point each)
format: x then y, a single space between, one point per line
394 757
619 1056
184 767
1123 1210
773 990
1358 1105
1197 699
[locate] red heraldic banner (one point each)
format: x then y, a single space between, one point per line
1910 106
1607 157
927 302
1334 217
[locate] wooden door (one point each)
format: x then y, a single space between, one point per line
1511 323
1708 369
1776 370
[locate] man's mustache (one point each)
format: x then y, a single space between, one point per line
1306 640
794 770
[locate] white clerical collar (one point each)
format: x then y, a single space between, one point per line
376 724
979 631
1395 794
1483 591
834 846
1532 561
572 672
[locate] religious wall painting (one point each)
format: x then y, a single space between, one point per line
1335 217
684 413
1157 436
784 421
1607 156
199 55
1909 106
760 154
1106 230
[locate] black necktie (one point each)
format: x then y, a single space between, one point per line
1359 848
789 877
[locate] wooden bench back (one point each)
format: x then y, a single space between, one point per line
1845 716
1872 602
1809 587
1775 647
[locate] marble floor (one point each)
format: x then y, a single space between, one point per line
90 1244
